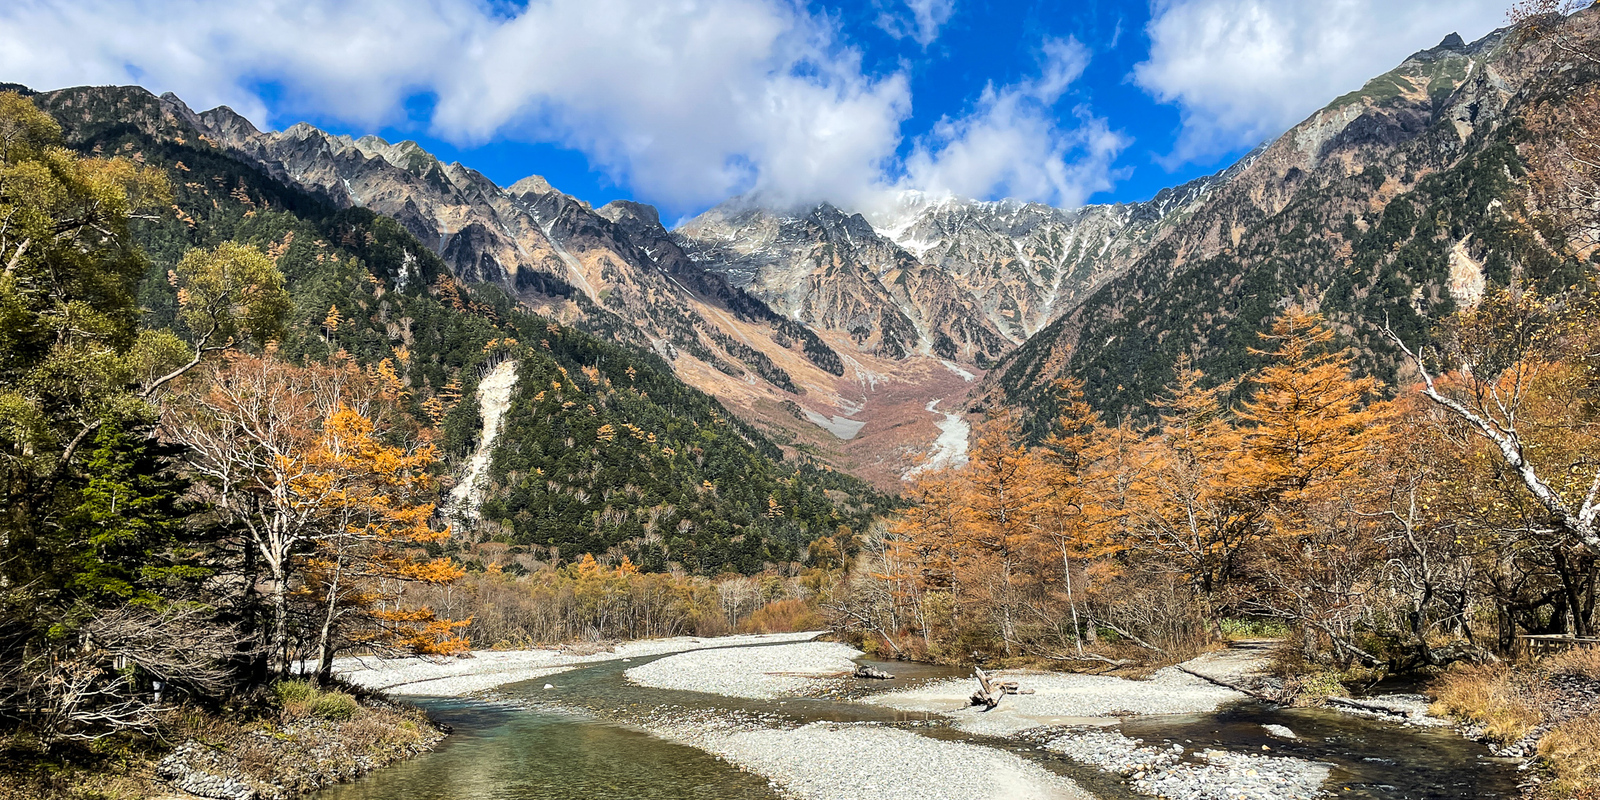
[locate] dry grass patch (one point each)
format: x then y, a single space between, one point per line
1581 663
784 616
1491 696
1573 752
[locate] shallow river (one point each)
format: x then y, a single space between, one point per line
575 743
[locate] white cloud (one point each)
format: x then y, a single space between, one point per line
1242 71
1012 143
684 101
927 17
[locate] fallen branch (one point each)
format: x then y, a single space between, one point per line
990 691
1228 685
1126 635
1115 662
1356 704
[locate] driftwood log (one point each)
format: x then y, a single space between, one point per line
864 671
991 690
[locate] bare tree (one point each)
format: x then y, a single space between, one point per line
1503 350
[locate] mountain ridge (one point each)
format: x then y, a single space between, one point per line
839 331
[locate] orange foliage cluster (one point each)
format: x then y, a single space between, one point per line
331 483
1153 535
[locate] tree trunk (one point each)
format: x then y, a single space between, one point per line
324 673
280 623
1066 570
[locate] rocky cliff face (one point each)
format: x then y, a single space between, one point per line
965 280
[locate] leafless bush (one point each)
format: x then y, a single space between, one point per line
102 680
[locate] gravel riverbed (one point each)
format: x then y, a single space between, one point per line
838 761
1171 771
486 669
1063 699
756 673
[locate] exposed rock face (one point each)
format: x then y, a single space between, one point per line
961 279
834 271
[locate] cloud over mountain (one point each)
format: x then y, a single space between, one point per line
685 102
1245 70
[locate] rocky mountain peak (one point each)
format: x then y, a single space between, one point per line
533 184
628 212
406 155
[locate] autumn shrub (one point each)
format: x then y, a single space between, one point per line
293 695
335 706
784 616
1255 628
1315 686
1572 749
1490 696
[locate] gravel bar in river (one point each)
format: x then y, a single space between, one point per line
851 761
486 669
1063 699
759 673
1207 775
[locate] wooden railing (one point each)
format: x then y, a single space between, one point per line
1536 645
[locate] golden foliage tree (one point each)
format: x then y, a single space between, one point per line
291 456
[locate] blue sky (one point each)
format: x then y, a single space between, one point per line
682 103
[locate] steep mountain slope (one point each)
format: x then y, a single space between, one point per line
617 272
603 449
1393 205
856 338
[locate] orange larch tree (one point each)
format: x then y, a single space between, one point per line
1000 541
1075 512
1311 433
378 519
1185 511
